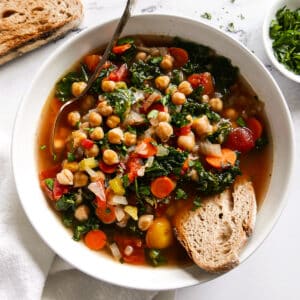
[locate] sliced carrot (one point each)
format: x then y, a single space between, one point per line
95 239
228 157
162 186
106 213
92 61
255 126
107 168
146 148
120 49
180 55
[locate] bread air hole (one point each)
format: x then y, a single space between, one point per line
38 8
8 13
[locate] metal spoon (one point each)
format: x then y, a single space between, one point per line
126 15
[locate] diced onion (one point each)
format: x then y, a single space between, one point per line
162 151
149 162
98 189
134 118
128 250
207 148
115 251
119 212
91 172
116 199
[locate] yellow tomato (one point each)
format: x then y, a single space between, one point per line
159 234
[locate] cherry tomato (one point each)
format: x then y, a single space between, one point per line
87 144
240 139
203 79
180 55
157 106
59 190
133 165
185 130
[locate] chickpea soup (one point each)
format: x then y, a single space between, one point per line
167 123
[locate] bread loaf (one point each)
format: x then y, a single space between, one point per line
28 24
215 233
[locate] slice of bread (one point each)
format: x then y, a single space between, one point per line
28 24
214 234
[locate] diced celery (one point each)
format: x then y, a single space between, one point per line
116 185
121 85
88 163
132 211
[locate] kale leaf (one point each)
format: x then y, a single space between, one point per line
210 183
220 135
120 100
142 71
65 202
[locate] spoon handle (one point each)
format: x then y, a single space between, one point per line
122 22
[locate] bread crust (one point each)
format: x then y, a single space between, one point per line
215 233
26 25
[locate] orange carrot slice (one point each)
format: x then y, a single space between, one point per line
162 186
95 239
228 157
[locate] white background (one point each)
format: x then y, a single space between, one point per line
273 271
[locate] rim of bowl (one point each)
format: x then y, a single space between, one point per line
266 230
270 15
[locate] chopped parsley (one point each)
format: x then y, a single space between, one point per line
206 15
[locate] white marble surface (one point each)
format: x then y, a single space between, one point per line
273 272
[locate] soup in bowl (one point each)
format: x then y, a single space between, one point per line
169 124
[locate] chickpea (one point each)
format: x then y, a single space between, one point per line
201 125
162 82
159 234
186 142
129 139
113 121
82 213
78 136
77 88
178 98
145 221
115 135
194 175
141 56
65 177
185 87
97 176
97 134
216 104
95 119
167 62
110 157
163 116
80 179
73 118
164 131
92 152
104 109
108 86
70 165
231 113
205 99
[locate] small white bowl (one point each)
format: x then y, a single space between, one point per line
291 4
24 159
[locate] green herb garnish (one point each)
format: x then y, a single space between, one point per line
285 33
206 15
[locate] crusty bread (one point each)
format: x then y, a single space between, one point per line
215 233
28 24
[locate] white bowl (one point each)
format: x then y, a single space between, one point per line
45 221
291 4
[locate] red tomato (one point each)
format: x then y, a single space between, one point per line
203 79
240 139
157 106
133 165
255 126
185 130
47 191
180 55
92 61
87 144
120 74
59 190
138 255
106 168
145 148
